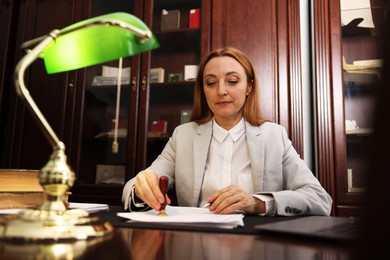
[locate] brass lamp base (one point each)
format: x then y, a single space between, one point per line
37 225
80 249
52 221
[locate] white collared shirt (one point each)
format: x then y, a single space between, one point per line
228 163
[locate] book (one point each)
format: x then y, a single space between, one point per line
159 126
109 81
190 72
158 129
185 115
9 200
194 18
21 189
108 71
170 20
19 181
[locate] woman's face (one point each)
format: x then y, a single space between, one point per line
225 86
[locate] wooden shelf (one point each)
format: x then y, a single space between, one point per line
360 132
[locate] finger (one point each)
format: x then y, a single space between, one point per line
168 200
217 194
216 198
155 187
222 194
154 194
163 188
145 186
140 185
229 200
225 205
227 190
233 208
243 203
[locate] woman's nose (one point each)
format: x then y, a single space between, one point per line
222 89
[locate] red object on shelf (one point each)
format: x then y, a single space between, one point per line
194 18
122 123
159 126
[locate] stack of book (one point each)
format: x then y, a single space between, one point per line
21 189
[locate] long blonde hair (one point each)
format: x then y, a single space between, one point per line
201 112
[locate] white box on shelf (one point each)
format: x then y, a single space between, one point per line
157 75
190 72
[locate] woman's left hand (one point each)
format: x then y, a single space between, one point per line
232 199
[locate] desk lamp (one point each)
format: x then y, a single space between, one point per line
86 43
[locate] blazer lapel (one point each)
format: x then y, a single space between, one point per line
201 148
255 144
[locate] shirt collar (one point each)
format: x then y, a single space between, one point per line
236 132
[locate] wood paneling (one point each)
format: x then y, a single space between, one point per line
268 31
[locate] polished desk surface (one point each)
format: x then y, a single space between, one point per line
143 241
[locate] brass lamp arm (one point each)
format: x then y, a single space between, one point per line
141 35
24 94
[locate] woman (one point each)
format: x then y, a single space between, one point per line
227 156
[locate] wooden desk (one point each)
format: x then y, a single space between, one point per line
165 243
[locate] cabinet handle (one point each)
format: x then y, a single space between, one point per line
144 82
71 87
134 83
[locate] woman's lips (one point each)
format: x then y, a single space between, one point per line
223 103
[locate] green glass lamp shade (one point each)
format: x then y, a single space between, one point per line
96 42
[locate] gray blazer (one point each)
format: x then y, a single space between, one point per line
277 168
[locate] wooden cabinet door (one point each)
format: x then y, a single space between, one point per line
342 152
101 171
268 32
54 94
6 54
165 100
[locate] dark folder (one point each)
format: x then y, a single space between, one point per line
322 227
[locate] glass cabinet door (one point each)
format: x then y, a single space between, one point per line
173 68
99 163
156 95
362 50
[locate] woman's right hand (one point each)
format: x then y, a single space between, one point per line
147 189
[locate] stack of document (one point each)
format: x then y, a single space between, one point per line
89 207
187 215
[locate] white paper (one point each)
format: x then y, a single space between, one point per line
351 10
89 207
188 215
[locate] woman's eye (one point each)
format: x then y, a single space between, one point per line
211 83
232 82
